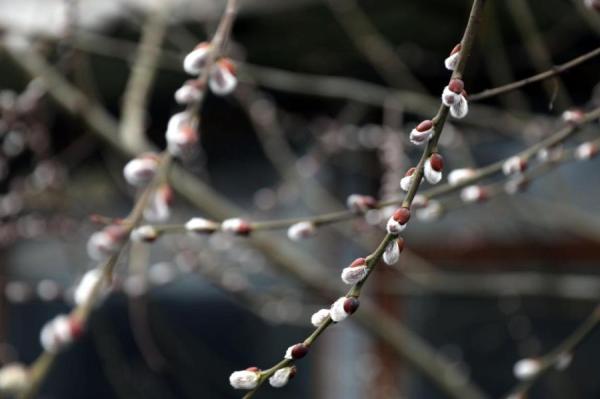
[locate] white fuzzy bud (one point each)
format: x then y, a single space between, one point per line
301 230
460 108
181 136
422 132
59 332
159 206
405 182
195 61
338 310
105 243
473 193
244 379
360 203
514 164
391 255
88 282
281 377
144 233
459 176
574 116
189 93
200 225
585 151
140 171
14 378
430 212
449 97
526 369
451 61
354 273
236 226
431 175
319 317
223 78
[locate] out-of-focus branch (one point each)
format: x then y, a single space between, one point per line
143 72
286 257
373 45
538 53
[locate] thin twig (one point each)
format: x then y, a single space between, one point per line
557 70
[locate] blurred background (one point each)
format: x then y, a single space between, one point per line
328 92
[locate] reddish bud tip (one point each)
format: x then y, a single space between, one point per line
293 371
456 49
410 172
437 162
253 369
358 262
350 305
227 64
424 126
401 215
456 86
76 328
299 351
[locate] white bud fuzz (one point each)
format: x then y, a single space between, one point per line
573 116
585 151
159 206
319 317
433 168
105 243
244 379
397 222
514 165
473 193
86 286
191 92
430 212
460 108
201 225
391 255
451 62
526 369
342 308
281 377
301 230
140 171
223 79
356 272
459 176
407 180
360 203
144 233
195 61
14 378
422 132
59 332
181 136
236 226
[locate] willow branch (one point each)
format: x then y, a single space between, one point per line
557 70
373 259
287 258
373 45
143 72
